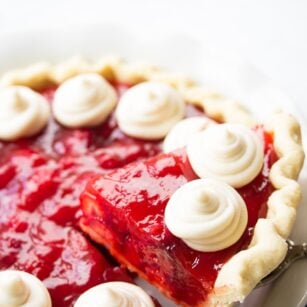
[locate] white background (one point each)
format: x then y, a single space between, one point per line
272 35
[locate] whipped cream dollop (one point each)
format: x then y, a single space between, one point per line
21 289
230 152
181 133
23 113
149 110
115 294
207 214
84 101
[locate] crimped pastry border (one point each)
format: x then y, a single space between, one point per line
268 247
113 68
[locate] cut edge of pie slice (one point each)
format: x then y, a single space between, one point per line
242 272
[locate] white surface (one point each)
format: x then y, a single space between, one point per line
270 34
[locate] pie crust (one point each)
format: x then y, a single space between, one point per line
268 247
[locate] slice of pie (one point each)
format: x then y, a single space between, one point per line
125 211
204 221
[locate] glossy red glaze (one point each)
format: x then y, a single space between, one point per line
61 257
124 210
41 179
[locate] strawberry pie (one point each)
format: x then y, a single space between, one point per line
111 170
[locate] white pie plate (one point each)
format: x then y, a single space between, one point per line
175 51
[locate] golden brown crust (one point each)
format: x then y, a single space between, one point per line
245 269
34 76
215 105
218 106
284 173
267 248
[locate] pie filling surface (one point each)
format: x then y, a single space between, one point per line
124 211
150 183
41 179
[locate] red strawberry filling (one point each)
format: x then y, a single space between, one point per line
61 257
41 179
124 211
